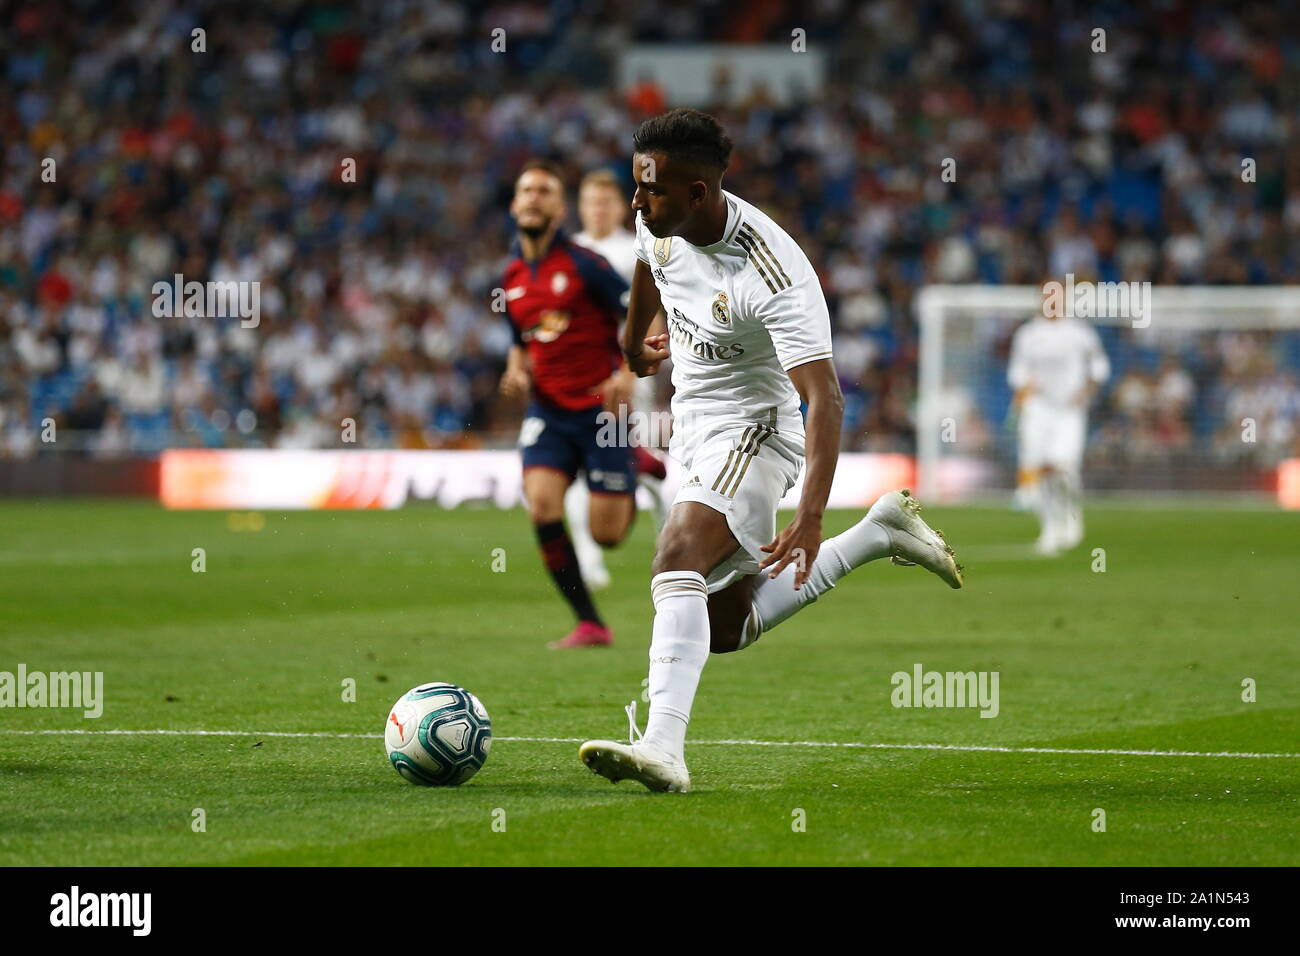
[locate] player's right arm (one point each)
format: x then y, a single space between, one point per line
643 353
1018 376
516 380
1098 366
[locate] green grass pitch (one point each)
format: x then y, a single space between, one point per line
1150 654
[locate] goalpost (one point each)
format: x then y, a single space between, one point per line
1204 393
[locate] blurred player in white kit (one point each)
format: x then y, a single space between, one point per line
602 209
1056 365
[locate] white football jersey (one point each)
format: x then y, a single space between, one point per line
1057 358
617 248
741 313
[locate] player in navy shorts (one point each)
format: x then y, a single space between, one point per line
565 304
566 442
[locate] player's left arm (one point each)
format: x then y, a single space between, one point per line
620 386
1098 368
611 292
801 539
658 326
799 324
1017 371
517 379
617 388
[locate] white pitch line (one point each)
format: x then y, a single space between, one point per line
962 748
201 733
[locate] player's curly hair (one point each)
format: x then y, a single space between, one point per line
688 135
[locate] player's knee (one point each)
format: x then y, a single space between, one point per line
675 553
723 641
608 537
545 510
609 528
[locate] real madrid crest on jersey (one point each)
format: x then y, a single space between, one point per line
721 313
559 282
662 248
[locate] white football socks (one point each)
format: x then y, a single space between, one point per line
1047 508
1055 504
1071 507
775 599
679 646
577 501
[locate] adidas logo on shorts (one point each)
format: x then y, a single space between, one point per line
693 483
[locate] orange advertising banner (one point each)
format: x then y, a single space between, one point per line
284 479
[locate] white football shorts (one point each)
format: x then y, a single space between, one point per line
743 470
1052 436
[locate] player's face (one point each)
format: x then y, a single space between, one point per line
538 202
664 196
600 208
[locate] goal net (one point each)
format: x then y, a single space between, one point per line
1203 395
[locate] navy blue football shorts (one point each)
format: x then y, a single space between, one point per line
572 441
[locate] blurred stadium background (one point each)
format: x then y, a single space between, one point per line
225 165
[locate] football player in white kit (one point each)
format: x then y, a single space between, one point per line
750 337
601 208
1056 365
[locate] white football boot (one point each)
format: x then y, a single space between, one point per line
637 760
1055 535
1071 527
914 541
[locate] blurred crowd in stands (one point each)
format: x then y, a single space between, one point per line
228 164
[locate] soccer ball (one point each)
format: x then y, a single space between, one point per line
438 735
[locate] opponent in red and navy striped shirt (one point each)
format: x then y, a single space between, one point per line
565 309
564 304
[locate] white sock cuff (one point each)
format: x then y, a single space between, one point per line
677 583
